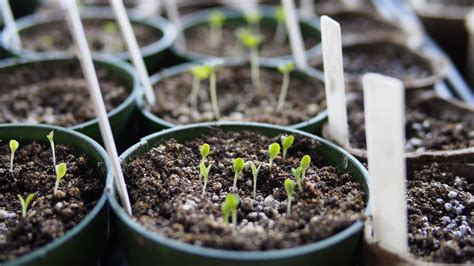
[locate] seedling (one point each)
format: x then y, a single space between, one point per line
297 174
238 168
205 149
60 173
205 174
280 32
213 88
252 41
200 73
50 137
253 19
273 151
229 207
289 188
286 142
13 147
285 69
24 203
47 41
110 27
304 164
216 21
255 171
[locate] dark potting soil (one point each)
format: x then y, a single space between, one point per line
197 40
127 3
359 23
385 58
426 128
48 217
441 215
165 191
55 93
238 99
103 36
467 3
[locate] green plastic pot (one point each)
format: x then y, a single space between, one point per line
151 123
83 244
120 117
153 54
234 17
143 247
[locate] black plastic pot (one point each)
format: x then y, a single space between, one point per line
143 247
120 117
151 123
83 244
154 54
234 17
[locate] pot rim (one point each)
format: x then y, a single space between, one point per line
167 30
240 255
440 10
198 17
102 59
101 202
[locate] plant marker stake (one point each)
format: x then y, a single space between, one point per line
77 31
470 51
385 133
173 14
10 24
334 80
307 8
294 31
133 48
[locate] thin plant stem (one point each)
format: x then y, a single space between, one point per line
11 161
212 86
234 187
195 92
283 93
255 68
288 205
56 186
54 154
204 189
216 36
280 34
254 187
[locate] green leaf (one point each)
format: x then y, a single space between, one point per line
205 149
255 169
201 72
110 27
287 141
289 187
250 40
232 200
305 162
238 165
216 18
280 14
297 172
253 17
274 150
29 198
14 145
50 136
61 170
286 67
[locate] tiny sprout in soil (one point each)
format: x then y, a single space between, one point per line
13 147
216 20
229 207
205 174
60 173
50 137
255 171
199 73
110 27
305 162
280 33
205 149
289 188
47 41
24 203
252 41
273 151
285 69
286 142
238 168
297 174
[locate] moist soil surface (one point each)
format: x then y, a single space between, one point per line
54 93
441 215
103 36
426 128
165 191
48 217
385 58
358 23
238 99
198 40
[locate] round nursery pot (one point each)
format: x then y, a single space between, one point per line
144 247
50 35
53 73
306 96
438 231
76 241
436 129
417 68
196 34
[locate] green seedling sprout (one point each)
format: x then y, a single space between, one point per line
13 147
47 41
255 171
297 174
289 188
205 174
273 151
60 173
50 137
229 207
304 164
238 168
285 69
205 149
213 87
286 142
199 73
216 21
253 19
110 27
24 203
252 42
280 32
